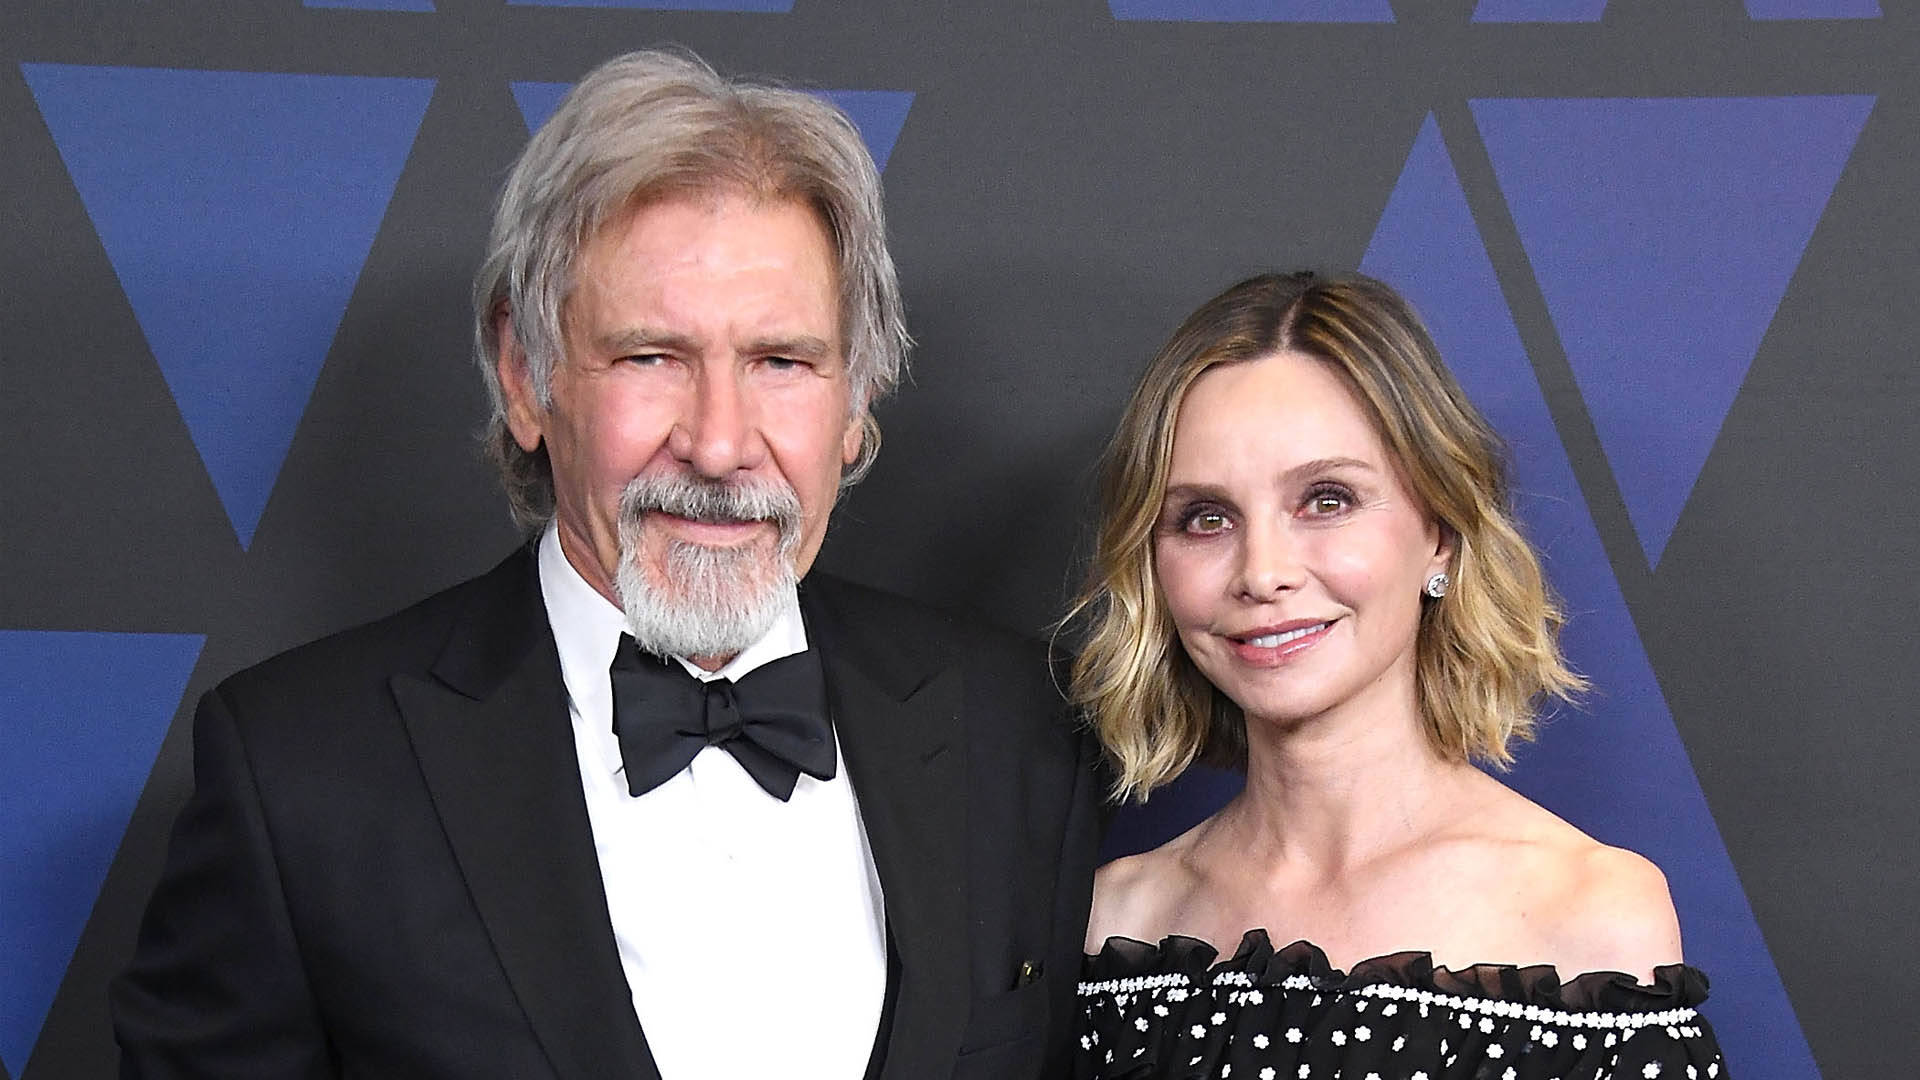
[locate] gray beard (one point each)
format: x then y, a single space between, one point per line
713 601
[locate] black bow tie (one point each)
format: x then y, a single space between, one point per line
773 721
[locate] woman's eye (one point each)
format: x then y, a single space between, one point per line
1206 521
1325 501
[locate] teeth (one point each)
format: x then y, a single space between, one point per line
1275 640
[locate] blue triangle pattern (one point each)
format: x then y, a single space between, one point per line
1562 11
538 101
1813 9
237 209
82 716
760 6
1616 768
879 114
1295 11
1663 233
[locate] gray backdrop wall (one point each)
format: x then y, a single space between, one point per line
1669 245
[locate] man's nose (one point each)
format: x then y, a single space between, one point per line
718 432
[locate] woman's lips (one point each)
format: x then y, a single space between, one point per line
1275 644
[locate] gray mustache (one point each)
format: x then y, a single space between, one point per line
714 502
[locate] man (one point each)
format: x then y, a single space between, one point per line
637 803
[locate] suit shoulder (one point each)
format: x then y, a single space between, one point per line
408 640
881 616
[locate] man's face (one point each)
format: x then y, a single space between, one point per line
704 357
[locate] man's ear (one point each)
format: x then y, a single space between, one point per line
855 437
525 415
860 428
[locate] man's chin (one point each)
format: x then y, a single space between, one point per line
693 576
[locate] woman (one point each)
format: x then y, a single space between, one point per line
1307 568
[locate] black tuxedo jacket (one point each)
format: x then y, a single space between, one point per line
386 867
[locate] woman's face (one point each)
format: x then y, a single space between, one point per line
1291 553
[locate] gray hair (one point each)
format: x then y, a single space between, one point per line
652 125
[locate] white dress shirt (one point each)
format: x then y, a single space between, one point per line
751 930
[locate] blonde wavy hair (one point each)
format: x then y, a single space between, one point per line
1487 656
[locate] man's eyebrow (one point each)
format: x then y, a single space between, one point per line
642 339
802 347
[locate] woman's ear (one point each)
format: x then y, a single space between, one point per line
1446 544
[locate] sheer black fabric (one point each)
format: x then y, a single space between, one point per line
1169 1012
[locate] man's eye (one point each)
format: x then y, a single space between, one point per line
783 363
645 359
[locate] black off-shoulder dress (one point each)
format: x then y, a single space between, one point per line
1169 1012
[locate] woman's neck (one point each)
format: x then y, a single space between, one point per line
1327 795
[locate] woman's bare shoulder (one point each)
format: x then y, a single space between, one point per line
1618 914
1595 907
1134 896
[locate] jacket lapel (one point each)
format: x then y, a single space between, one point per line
898 713
491 733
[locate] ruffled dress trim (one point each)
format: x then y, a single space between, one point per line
1257 963
1173 1011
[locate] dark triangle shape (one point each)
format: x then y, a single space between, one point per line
1663 233
84 715
1297 11
1615 768
1562 11
879 114
765 7
373 5
237 209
